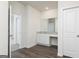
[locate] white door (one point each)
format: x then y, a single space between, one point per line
70 32
77 34
16 34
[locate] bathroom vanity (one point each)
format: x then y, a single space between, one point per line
49 36
43 38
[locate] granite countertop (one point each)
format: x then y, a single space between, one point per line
48 33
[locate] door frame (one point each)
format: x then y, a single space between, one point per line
9 43
9 30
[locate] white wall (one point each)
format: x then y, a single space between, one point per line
60 52
49 13
33 25
3 28
68 4
45 15
31 19
30 23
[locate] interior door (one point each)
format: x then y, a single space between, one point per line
69 36
16 32
13 29
76 54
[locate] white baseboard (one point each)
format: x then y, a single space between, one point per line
3 52
59 54
31 46
44 44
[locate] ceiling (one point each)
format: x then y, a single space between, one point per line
42 5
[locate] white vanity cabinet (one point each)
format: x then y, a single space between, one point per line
43 39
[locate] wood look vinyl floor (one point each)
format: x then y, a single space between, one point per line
37 51
3 56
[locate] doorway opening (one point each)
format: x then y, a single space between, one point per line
34 25
15 31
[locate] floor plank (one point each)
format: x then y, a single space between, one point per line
3 56
37 51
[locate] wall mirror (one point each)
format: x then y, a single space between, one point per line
51 25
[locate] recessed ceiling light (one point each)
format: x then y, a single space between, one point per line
46 8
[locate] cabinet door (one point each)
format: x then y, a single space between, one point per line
69 17
43 39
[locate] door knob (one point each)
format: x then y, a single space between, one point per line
77 35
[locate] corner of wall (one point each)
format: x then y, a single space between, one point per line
60 44
29 46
